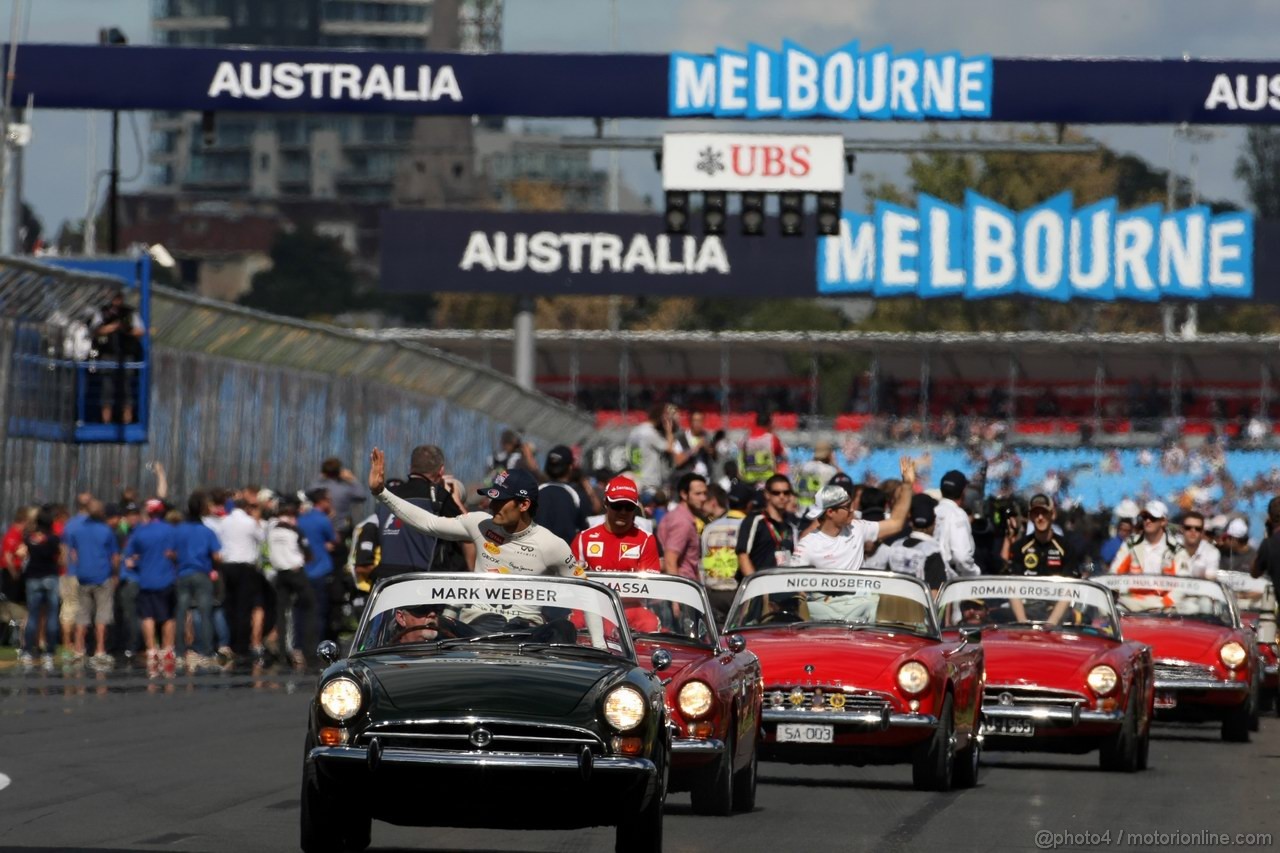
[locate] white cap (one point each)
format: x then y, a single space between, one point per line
831 497
1238 528
1156 509
1126 509
1217 522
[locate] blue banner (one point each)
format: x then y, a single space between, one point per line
1050 251
853 83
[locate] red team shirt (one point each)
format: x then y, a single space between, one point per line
601 550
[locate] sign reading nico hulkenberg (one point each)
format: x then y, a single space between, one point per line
753 162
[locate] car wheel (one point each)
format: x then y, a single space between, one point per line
1235 726
320 830
1266 701
934 761
967 761
744 783
712 794
1144 748
1255 703
1119 754
642 832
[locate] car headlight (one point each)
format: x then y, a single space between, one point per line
624 708
913 677
341 699
1102 680
695 699
1233 654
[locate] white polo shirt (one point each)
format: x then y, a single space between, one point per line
845 551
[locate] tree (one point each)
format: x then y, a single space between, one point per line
1259 167
310 275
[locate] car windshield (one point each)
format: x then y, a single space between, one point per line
447 611
1171 596
1048 603
1253 595
805 597
662 606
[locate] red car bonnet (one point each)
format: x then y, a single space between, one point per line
861 659
1046 658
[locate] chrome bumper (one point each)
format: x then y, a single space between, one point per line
610 764
696 746
1057 717
1271 669
866 720
1201 684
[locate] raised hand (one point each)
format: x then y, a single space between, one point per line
908 470
377 470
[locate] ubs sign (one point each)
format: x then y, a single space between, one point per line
746 162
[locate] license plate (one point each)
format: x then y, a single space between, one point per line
799 733
1008 728
1166 700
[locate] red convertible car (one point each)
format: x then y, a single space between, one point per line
1256 600
1206 661
713 688
1059 675
855 671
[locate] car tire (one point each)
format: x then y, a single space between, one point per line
1255 703
1119 753
933 766
1266 701
642 832
1235 725
744 782
320 831
967 762
712 794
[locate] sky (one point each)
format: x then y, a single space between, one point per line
63 155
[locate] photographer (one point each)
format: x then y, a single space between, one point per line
117 338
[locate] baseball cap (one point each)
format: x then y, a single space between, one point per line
517 483
559 455
622 489
1155 509
129 506
831 497
953 481
1238 528
155 506
1040 502
842 480
1126 509
112 510
922 510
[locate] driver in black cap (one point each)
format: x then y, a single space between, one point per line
1042 551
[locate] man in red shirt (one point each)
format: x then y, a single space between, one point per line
618 545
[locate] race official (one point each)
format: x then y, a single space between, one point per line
1153 553
840 540
618 545
918 554
1043 551
403 549
954 530
767 539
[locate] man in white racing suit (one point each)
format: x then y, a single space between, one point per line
506 537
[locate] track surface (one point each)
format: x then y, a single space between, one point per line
212 763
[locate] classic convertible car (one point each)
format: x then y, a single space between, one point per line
1206 661
475 700
1256 600
714 689
1059 675
856 672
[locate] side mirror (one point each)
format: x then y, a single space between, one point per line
327 651
661 660
970 635
737 643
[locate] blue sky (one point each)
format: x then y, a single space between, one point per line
59 160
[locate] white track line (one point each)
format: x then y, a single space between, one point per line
4 781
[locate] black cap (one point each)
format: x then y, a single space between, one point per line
131 506
316 494
516 483
922 510
873 514
112 510
740 495
1040 502
559 456
953 483
843 480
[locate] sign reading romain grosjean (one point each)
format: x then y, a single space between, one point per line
742 162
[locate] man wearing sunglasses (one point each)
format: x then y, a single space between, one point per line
1203 558
618 545
768 539
1153 553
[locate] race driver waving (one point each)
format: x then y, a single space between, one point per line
506 537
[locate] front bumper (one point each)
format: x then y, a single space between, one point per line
872 721
696 746
1051 716
1202 685
608 765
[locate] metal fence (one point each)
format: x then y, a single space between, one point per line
242 397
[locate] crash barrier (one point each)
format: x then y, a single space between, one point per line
240 396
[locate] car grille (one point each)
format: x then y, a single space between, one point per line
1169 670
1039 696
854 702
503 736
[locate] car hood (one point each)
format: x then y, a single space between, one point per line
1177 639
826 655
501 686
1055 659
682 654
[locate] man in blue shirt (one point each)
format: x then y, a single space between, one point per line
68 585
96 554
317 529
198 552
1124 530
151 553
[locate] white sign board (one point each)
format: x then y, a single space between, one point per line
753 162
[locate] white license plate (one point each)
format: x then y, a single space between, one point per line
1166 700
1008 728
799 733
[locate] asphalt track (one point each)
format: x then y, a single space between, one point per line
212 763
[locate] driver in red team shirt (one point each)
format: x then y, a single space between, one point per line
618 545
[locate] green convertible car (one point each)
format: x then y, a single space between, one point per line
487 700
